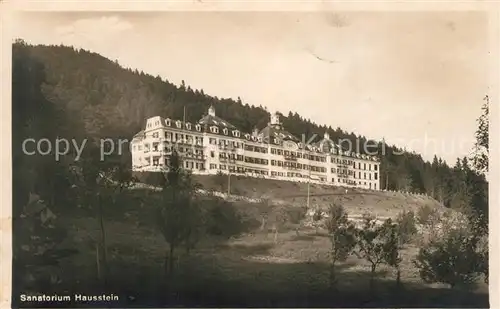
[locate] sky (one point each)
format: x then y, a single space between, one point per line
417 79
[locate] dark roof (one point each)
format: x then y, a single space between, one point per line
216 121
139 135
276 132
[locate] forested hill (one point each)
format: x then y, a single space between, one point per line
64 91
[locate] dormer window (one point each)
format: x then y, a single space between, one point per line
188 126
253 138
225 131
198 127
168 122
276 141
260 139
178 124
214 129
236 133
247 136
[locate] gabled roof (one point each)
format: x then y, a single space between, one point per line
273 132
139 135
211 120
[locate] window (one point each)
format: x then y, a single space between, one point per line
370 176
214 129
198 127
375 167
213 166
212 154
375 185
178 123
155 135
168 122
364 166
364 176
188 126
375 176
225 131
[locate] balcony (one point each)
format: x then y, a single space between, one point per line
290 158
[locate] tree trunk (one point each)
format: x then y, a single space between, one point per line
333 278
97 260
372 278
398 277
103 239
171 261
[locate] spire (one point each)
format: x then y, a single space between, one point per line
327 136
211 111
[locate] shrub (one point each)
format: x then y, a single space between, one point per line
426 215
406 227
451 258
296 214
341 233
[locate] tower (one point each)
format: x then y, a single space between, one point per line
275 119
211 111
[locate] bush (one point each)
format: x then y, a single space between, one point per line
406 227
452 258
427 216
222 218
297 214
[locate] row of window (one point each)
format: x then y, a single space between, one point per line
298 166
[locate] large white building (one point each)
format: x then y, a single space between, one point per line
213 144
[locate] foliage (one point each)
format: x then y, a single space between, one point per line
481 154
393 241
222 218
406 226
427 215
452 258
372 243
38 251
179 215
341 233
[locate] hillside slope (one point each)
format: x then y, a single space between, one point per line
356 201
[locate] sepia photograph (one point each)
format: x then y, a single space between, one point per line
321 158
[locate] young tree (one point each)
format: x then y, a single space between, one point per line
180 213
341 233
370 245
406 227
392 247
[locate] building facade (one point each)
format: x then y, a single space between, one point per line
214 145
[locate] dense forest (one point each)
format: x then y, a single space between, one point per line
73 93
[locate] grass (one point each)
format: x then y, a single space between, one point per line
250 269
